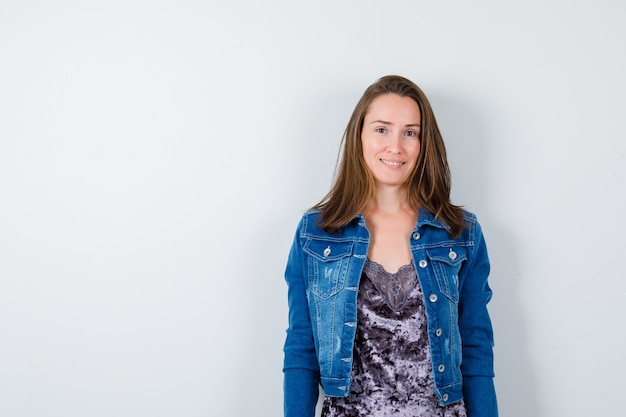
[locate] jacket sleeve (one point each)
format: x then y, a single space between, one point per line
301 367
476 331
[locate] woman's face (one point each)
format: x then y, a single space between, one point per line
390 139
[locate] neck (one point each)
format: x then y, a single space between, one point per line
389 200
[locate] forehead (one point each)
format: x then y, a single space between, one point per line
393 108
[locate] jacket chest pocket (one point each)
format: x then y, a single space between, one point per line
327 264
446 263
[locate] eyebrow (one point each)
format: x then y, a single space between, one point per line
389 123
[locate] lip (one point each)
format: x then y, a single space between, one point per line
392 164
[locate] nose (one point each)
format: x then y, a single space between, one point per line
395 143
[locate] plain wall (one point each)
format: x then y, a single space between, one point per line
155 157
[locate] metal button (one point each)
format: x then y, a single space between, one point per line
423 263
441 368
326 252
444 397
452 254
438 332
432 298
416 235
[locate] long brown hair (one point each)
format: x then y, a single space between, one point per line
429 184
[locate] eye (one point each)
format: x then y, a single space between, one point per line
381 130
411 133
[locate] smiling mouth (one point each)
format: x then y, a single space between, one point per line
392 163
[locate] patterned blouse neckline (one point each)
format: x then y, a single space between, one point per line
395 288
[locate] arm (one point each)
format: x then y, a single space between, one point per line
476 332
301 368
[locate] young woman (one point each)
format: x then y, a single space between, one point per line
387 278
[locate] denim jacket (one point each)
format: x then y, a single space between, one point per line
323 273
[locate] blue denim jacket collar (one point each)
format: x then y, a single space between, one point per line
425 218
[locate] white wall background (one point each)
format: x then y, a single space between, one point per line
155 157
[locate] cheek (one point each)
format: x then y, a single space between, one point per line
414 149
370 147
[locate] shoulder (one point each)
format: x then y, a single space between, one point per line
310 223
470 218
472 226
310 219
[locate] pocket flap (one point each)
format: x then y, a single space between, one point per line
327 251
448 255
